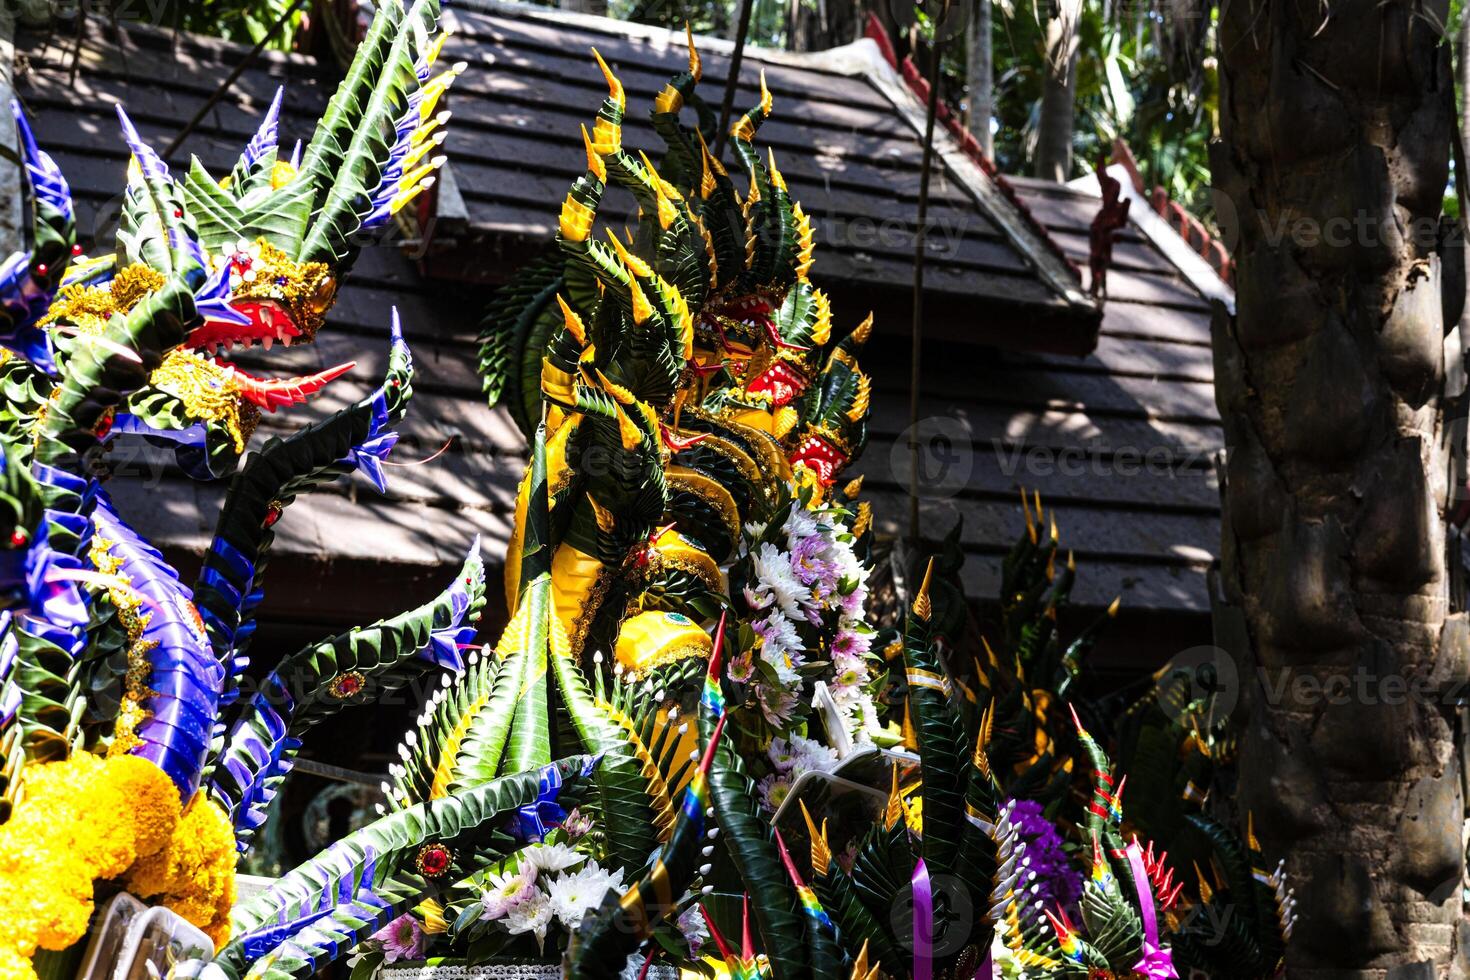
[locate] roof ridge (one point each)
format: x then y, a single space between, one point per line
972 149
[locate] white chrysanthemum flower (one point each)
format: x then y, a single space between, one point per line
532 915
800 524
774 576
573 894
812 754
552 857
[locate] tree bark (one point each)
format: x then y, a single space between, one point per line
980 74
1058 94
1336 124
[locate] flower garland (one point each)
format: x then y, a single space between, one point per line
806 590
91 819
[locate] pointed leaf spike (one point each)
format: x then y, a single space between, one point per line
922 606
615 91
747 940
595 165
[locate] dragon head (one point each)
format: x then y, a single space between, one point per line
265 248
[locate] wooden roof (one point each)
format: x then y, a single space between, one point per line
1118 441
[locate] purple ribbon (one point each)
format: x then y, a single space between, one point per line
1156 963
923 923
986 969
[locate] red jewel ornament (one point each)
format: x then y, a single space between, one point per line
346 685
104 426
433 860
42 269
17 538
272 514
178 213
76 250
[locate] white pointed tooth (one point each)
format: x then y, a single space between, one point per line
706 889
707 850
267 341
286 341
705 869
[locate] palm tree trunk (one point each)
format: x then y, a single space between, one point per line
1058 94
980 75
1336 125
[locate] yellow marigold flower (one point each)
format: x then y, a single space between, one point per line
14 966
194 874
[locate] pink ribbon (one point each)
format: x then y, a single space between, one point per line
923 923
1156 963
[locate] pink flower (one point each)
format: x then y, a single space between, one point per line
577 824
402 939
741 667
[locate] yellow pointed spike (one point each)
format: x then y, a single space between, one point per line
910 733
853 488
1071 561
573 322
860 966
712 160
821 850
923 608
1205 891
1250 831
893 813
776 178
620 394
696 68
614 87
1055 535
1026 512
766 101
636 266
864 331
642 308
1039 511
595 165
627 430
1113 606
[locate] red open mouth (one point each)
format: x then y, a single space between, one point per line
268 325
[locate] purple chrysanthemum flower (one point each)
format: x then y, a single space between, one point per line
402 939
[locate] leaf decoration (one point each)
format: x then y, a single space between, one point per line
352 668
359 170
602 945
295 927
941 738
513 336
227 589
180 675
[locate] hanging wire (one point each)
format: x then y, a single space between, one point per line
921 240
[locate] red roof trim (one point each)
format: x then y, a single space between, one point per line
879 35
1189 228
